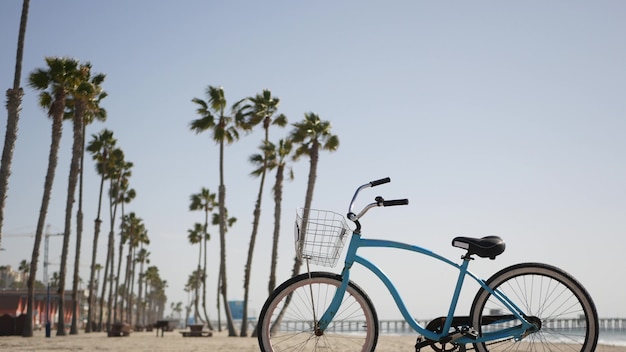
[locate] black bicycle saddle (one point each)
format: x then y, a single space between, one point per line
486 247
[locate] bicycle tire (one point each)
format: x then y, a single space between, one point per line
286 322
568 317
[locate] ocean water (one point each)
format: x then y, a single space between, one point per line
614 337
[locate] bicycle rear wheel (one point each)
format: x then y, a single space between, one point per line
564 311
287 320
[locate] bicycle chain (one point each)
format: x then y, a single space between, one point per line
489 344
468 349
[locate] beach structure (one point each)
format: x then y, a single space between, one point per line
14 303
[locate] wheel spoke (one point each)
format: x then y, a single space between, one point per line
295 306
563 310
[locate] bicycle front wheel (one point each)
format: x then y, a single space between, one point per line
288 319
557 303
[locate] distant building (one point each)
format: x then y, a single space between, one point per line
9 277
15 303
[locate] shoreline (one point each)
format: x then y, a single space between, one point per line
174 341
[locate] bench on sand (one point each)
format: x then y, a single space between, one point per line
119 330
196 330
164 325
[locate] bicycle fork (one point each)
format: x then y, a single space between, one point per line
333 308
320 325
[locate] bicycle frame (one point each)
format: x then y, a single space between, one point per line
357 242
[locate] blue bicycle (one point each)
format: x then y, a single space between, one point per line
525 307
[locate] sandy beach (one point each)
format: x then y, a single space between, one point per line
173 341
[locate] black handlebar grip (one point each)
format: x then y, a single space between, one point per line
380 182
389 203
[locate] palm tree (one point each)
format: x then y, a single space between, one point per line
4 271
100 148
55 83
278 158
54 280
134 232
311 135
204 201
195 237
114 169
14 103
87 97
155 294
79 102
229 222
188 288
123 195
264 106
24 268
142 258
127 231
139 238
115 282
151 276
93 289
225 131
177 309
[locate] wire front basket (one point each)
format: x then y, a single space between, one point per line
320 236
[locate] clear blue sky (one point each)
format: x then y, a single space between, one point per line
492 117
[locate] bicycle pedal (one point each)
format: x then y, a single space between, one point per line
421 342
469 332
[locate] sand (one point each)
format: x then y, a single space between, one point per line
173 341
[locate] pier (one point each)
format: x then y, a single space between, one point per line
402 327
605 324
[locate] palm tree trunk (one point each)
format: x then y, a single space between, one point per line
196 300
125 293
111 261
278 196
71 193
314 154
140 307
79 132
297 264
76 279
113 213
107 266
94 252
14 103
117 281
222 226
131 288
204 272
219 292
187 310
248 267
57 131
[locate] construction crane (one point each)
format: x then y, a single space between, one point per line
47 236
45 256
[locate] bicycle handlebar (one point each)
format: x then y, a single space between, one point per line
379 201
380 182
389 203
